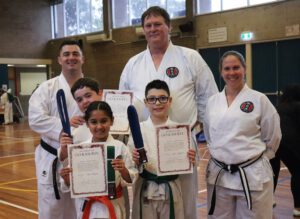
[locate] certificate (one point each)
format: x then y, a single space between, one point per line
88 176
119 102
173 143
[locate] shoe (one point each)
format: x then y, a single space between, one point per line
296 213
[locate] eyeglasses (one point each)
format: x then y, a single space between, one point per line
153 99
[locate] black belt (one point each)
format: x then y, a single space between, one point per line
147 176
53 151
232 168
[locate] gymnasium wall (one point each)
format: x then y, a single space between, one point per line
25 28
105 60
268 22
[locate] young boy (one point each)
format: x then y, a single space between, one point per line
84 91
154 196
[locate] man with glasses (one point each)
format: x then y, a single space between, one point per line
189 78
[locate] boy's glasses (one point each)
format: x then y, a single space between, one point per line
153 99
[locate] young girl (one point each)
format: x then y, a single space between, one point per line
99 118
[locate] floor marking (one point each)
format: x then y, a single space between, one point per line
14 162
19 190
18 206
201 191
17 155
17 181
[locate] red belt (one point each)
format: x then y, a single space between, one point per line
104 200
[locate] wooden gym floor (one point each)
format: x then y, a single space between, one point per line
18 194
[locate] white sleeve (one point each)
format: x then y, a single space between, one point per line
124 81
40 117
270 127
205 85
206 124
130 165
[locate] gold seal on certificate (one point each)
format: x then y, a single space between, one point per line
119 102
88 176
173 143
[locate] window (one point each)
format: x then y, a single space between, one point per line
209 6
73 17
129 12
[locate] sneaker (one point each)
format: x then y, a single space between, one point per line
296 213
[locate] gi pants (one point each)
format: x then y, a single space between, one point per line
232 204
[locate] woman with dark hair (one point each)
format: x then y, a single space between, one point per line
243 132
289 149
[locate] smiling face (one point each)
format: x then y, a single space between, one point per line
159 108
85 96
233 72
156 31
71 59
99 124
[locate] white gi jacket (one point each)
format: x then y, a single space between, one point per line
98 210
44 119
247 128
189 79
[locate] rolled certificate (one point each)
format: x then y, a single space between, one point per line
136 133
63 111
110 152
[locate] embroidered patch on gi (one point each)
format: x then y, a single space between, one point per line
172 72
247 107
44 173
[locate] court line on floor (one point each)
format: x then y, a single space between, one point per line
17 181
201 191
19 207
17 155
14 162
18 190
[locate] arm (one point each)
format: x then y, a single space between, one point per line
192 156
42 114
205 85
119 165
65 174
64 141
270 127
123 84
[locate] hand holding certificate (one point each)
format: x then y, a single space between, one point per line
173 144
88 176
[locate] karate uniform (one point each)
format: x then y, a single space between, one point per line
99 210
44 119
156 197
190 82
243 131
8 110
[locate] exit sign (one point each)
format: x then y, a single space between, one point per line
246 36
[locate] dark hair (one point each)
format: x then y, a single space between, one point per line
238 55
98 105
157 84
85 82
291 93
156 11
71 42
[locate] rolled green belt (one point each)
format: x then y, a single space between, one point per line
147 176
110 153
